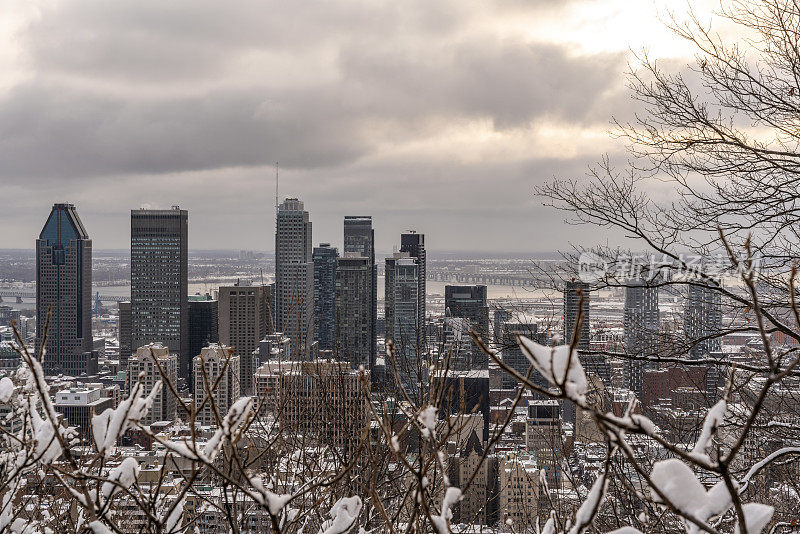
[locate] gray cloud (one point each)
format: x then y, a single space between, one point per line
154 102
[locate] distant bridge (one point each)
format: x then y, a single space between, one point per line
31 295
499 278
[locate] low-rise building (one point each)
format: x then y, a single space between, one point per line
79 405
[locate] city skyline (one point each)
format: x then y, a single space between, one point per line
601 333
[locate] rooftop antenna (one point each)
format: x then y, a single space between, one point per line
276 207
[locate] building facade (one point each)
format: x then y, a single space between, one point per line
221 368
500 317
324 400
518 491
80 405
244 320
294 276
143 363
359 239
402 317
354 340
159 281
124 334
641 331
414 244
574 290
702 321
203 323
512 356
64 290
543 438
324 258
469 303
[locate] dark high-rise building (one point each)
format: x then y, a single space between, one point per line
573 291
64 287
466 392
294 276
159 282
124 334
354 342
702 321
512 356
640 330
243 322
470 303
324 258
467 304
359 238
501 316
203 324
402 315
414 244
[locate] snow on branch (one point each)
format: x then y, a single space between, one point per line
272 501
343 516
113 423
122 476
714 417
587 511
441 522
234 420
560 366
756 517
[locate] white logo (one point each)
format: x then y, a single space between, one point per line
591 267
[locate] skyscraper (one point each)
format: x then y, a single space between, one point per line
353 309
512 355
573 291
640 330
124 334
203 323
593 363
324 258
159 281
359 238
402 311
469 303
64 286
702 321
414 244
501 316
243 322
294 276
388 290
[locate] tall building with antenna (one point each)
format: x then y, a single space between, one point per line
294 276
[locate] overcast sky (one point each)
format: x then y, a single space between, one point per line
434 115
